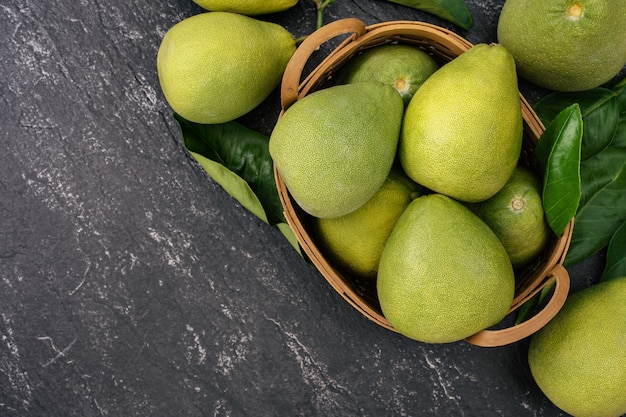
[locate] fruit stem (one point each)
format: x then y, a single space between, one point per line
321 5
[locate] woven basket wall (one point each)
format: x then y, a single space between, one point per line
444 46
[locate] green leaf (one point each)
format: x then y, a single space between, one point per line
527 309
286 230
238 159
620 135
615 266
603 205
558 152
454 11
599 171
600 111
233 184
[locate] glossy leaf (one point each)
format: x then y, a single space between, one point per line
238 188
600 111
233 148
238 159
615 266
285 229
528 308
454 11
599 171
603 205
558 152
602 208
620 135
234 185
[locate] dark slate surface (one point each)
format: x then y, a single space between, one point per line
132 285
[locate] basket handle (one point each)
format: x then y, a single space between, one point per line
492 338
289 92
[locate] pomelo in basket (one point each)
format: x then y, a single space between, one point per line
404 67
335 147
462 130
355 241
443 275
515 214
579 358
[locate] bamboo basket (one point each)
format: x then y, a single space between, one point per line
444 46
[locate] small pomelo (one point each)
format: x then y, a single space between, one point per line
515 214
579 358
247 7
356 240
404 67
565 45
217 66
443 275
335 147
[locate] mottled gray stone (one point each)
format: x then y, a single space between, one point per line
131 284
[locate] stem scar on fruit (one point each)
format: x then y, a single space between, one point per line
517 204
574 11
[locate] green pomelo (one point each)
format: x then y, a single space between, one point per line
247 7
335 147
355 241
443 275
462 130
579 358
404 67
515 214
565 45
215 67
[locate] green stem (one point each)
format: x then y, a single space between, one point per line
321 5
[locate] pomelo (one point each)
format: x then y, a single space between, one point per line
579 358
565 45
443 275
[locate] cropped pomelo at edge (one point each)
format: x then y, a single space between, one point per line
565 45
247 7
579 358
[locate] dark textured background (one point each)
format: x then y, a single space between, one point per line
131 284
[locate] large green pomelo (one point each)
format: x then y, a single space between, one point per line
335 147
462 130
516 216
443 275
215 67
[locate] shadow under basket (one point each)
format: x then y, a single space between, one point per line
444 46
